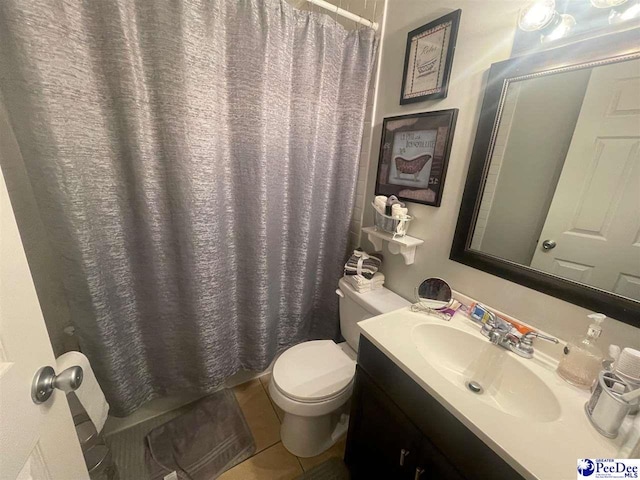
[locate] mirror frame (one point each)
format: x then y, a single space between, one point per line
581 54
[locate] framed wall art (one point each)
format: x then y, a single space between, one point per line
428 59
414 154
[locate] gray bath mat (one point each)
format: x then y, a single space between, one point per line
128 446
332 469
211 437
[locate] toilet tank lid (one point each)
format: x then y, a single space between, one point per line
376 302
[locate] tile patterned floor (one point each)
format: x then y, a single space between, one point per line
271 461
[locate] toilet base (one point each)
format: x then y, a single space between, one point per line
310 436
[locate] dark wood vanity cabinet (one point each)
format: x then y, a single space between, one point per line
384 441
398 431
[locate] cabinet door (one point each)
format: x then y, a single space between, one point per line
431 464
382 442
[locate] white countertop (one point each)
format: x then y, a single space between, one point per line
537 450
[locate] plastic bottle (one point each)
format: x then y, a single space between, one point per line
582 360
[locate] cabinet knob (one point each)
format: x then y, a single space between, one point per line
419 472
403 454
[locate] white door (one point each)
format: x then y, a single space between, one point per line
594 218
36 441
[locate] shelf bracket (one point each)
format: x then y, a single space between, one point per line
376 241
409 253
405 246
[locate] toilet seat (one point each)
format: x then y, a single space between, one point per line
314 371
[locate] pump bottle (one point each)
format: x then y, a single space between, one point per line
582 359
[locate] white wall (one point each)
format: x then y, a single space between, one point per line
485 36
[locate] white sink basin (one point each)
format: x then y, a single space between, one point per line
506 383
525 412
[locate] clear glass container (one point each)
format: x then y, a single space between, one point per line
582 360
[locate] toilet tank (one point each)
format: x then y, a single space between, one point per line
355 307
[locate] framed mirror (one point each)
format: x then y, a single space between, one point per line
552 198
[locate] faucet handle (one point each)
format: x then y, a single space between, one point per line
524 347
528 337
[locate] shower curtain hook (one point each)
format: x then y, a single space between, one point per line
337 7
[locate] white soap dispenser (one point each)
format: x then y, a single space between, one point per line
582 360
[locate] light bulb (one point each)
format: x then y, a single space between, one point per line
537 15
617 16
607 3
567 22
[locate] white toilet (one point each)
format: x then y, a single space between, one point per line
312 381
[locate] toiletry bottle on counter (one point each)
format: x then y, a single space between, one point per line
582 359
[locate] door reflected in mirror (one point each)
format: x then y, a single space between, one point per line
562 189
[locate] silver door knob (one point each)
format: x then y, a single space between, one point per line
548 245
46 380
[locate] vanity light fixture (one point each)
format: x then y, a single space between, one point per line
542 16
607 3
621 10
562 29
627 10
538 15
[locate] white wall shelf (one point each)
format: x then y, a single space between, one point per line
405 246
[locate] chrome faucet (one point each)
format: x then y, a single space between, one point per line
502 333
496 329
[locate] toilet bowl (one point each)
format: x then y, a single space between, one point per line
312 381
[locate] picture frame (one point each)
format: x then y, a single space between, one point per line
428 59
414 156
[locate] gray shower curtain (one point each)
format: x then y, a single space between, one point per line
194 164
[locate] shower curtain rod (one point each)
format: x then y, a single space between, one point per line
344 13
